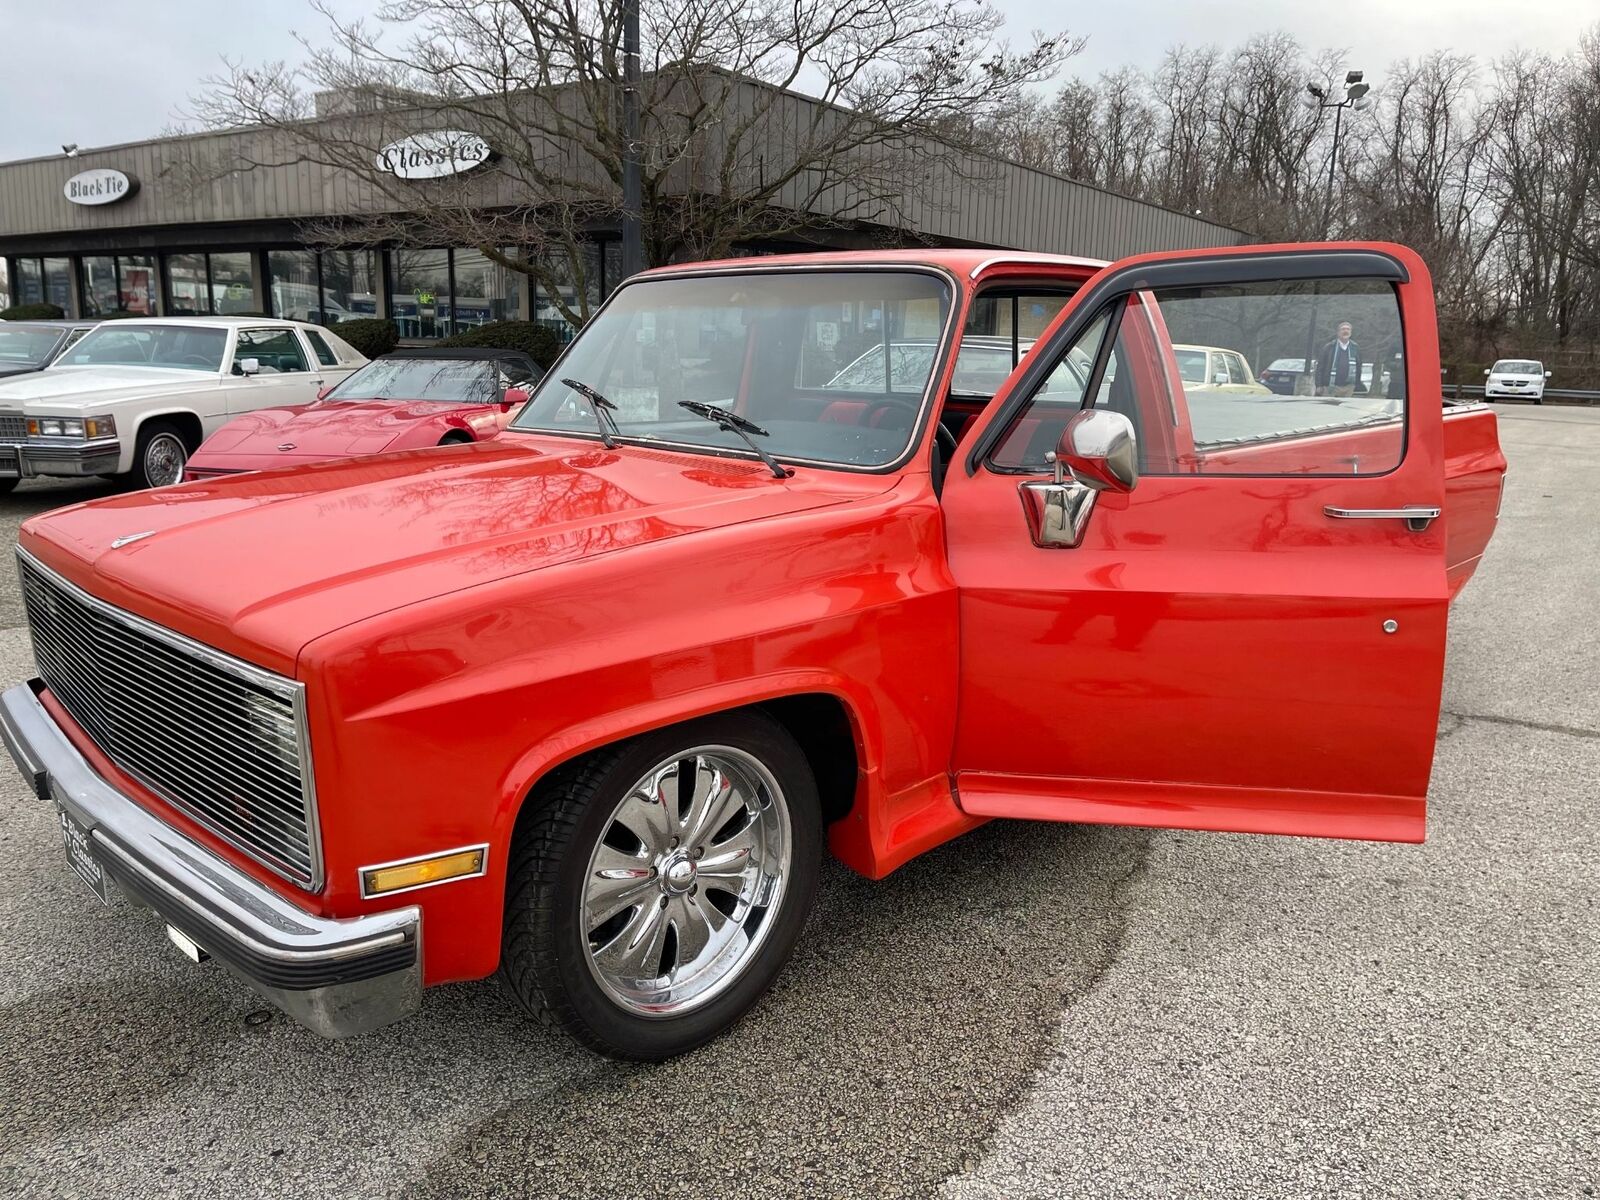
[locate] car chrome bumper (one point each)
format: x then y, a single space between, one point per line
336 977
27 459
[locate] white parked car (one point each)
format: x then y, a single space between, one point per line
135 398
1521 377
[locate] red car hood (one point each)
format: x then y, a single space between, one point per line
258 565
327 429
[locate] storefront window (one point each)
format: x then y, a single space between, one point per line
583 276
30 281
485 291
136 284
233 283
5 284
58 282
349 285
292 285
188 289
419 291
99 286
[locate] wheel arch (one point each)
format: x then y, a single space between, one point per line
186 420
834 729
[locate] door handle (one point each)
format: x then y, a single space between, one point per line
1416 516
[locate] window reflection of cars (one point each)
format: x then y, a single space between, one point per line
982 365
1212 368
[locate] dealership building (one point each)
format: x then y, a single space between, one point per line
130 228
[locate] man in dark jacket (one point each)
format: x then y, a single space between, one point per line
1339 367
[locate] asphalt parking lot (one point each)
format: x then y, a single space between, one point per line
1031 1011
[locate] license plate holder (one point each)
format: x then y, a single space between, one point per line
76 840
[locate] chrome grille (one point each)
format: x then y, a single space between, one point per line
13 428
216 737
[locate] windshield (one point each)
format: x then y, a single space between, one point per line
1516 366
445 380
1191 365
187 347
27 347
833 364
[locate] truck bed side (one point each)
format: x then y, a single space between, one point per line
1474 469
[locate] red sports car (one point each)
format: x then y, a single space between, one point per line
402 401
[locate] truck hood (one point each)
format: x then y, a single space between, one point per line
326 429
87 387
258 565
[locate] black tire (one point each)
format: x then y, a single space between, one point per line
158 440
546 950
7 486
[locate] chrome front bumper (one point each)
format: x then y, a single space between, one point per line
27 459
336 977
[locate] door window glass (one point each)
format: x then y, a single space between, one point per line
276 351
321 349
1182 371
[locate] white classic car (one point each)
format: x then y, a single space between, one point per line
136 398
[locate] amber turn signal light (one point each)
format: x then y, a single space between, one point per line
424 872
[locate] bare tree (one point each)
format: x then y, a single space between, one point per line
894 96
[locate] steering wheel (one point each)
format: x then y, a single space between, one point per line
199 359
944 440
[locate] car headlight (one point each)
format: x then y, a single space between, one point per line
72 427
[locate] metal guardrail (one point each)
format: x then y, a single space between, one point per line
1458 391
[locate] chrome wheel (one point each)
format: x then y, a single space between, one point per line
682 887
164 456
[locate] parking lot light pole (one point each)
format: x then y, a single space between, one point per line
632 199
1355 96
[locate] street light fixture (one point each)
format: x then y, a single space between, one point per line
1355 96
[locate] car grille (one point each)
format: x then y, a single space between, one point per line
13 428
219 739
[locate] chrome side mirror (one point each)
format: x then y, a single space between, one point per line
247 366
1100 450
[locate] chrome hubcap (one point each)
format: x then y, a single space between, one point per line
163 460
681 889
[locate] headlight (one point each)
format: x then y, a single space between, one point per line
71 427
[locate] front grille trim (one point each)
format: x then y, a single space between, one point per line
232 833
13 428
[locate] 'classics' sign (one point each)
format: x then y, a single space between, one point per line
435 155
99 186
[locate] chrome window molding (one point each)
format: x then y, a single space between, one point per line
290 690
361 872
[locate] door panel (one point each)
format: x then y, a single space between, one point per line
286 376
1214 654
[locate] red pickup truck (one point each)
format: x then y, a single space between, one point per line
845 550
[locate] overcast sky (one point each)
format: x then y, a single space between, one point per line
98 72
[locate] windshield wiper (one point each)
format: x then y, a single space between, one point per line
733 423
602 409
